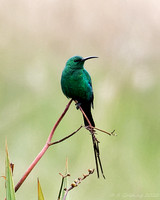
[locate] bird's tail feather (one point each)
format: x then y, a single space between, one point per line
97 156
87 110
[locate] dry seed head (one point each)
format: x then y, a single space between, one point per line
90 171
84 176
75 180
73 185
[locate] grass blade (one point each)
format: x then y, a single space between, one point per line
10 193
40 193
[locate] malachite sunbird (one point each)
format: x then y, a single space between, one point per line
76 84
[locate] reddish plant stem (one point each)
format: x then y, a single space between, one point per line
91 127
76 183
46 146
65 138
84 115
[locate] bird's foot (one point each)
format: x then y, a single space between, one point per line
78 105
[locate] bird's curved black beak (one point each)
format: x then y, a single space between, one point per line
90 57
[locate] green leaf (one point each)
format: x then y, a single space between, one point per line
10 193
40 193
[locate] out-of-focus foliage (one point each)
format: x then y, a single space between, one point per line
10 193
40 193
36 39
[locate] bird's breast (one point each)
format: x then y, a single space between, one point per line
76 85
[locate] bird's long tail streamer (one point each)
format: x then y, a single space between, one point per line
97 154
86 108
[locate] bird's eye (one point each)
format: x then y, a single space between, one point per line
77 60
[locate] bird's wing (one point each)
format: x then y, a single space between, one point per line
90 83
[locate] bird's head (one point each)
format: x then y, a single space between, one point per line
77 62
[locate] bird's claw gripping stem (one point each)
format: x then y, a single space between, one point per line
78 105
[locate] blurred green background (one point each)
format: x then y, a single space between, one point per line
36 39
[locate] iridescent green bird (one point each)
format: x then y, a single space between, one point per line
76 84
